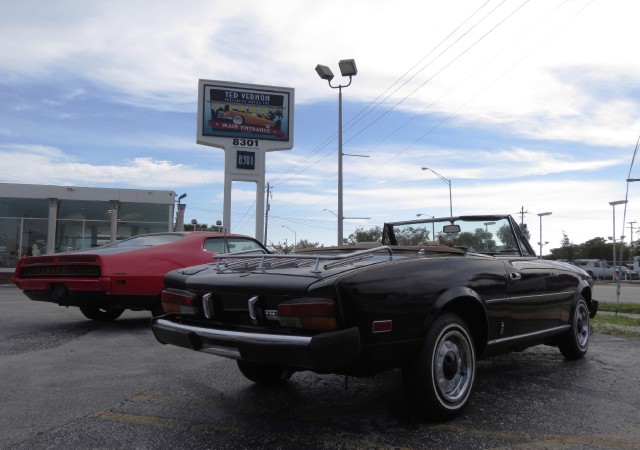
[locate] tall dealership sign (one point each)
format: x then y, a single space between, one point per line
246 121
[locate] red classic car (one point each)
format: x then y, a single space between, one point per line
104 281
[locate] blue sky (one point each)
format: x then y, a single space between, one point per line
523 105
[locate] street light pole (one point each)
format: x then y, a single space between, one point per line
449 183
613 206
540 243
295 238
433 225
347 69
340 186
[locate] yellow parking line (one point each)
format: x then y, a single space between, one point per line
527 440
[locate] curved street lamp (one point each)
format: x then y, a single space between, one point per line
446 180
295 238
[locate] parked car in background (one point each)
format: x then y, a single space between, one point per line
104 281
628 273
430 299
598 269
601 270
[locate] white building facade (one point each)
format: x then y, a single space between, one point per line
41 219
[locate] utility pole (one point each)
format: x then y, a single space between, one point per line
631 228
522 213
266 218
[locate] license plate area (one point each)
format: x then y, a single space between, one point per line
59 291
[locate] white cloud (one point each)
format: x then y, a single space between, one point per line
48 165
551 74
505 70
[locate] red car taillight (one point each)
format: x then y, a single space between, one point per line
176 301
308 313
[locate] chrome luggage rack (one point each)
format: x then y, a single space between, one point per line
250 260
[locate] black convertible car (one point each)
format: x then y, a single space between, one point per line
431 298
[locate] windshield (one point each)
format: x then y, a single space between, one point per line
480 234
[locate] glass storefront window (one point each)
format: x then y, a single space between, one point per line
23 229
24 207
9 241
81 224
21 237
141 218
81 234
84 210
143 212
128 229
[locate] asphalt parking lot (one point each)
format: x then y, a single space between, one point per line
71 383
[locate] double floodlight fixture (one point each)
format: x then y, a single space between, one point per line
618 202
347 69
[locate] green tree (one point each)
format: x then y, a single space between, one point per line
596 248
279 247
287 247
304 243
567 249
411 235
361 235
506 236
525 231
478 241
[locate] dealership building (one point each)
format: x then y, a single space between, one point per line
41 219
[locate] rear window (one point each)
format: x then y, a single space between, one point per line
231 245
215 245
242 245
149 241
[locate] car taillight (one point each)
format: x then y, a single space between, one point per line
176 301
308 313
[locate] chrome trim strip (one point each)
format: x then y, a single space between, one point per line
535 333
233 260
231 353
546 294
234 337
530 296
251 303
496 300
207 306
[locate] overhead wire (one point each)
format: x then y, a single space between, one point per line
487 86
457 57
456 111
375 103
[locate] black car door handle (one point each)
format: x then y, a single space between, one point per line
513 276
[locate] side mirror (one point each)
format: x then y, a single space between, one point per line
451 229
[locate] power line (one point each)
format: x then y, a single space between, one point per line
370 107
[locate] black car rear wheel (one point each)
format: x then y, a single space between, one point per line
101 314
575 342
439 380
264 374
